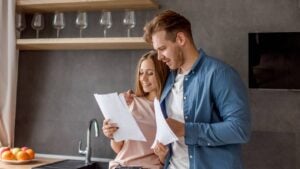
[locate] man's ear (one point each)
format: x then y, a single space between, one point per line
180 38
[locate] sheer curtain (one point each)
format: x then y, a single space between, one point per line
8 72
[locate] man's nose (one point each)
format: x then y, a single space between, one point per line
159 56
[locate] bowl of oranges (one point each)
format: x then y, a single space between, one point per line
16 155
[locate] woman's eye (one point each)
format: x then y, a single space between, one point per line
150 73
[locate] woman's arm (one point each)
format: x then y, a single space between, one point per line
109 129
116 146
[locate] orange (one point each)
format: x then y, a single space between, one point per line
22 155
7 155
30 152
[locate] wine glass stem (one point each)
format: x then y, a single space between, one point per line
57 33
128 32
80 33
18 34
104 32
37 33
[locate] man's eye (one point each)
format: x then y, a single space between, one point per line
161 49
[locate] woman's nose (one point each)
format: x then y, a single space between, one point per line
143 77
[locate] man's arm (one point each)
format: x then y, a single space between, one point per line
176 126
230 98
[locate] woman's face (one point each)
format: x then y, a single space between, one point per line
147 77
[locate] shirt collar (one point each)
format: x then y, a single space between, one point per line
196 66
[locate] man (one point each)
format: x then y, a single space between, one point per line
204 100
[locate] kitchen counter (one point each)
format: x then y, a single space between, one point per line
42 159
36 162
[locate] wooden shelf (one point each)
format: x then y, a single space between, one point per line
30 6
118 43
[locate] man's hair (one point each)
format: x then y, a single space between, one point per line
168 21
161 72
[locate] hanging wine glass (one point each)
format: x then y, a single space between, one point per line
106 21
37 23
129 21
58 22
81 22
20 23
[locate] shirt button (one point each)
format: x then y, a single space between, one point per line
184 98
191 156
186 79
186 117
208 144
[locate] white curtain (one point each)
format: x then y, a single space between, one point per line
8 72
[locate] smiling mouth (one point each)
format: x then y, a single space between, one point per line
146 85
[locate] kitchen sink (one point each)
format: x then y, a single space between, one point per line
74 164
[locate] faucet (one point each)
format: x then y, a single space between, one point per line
88 150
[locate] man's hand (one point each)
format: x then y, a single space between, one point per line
176 126
128 96
161 151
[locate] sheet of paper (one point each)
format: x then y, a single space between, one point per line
114 107
163 132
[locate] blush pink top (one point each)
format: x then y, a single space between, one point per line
139 153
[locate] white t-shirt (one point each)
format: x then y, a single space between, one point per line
174 106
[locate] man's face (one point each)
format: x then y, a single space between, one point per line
169 52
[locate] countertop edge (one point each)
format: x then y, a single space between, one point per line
63 157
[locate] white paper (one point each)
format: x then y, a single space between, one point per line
114 107
163 132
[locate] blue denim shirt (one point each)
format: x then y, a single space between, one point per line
216 113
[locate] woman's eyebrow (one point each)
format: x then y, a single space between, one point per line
146 69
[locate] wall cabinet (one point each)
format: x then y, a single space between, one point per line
31 6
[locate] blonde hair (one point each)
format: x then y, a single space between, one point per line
161 73
168 21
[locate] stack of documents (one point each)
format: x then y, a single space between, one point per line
114 107
163 132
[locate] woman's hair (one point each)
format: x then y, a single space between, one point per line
168 21
161 72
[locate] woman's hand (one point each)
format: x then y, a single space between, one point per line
161 151
128 96
109 128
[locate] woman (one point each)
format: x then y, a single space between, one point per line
151 75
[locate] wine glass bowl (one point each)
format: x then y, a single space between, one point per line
106 21
37 23
129 21
81 22
58 22
20 23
